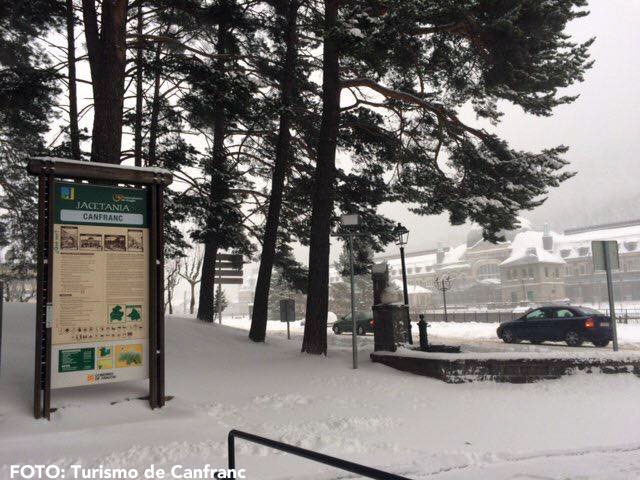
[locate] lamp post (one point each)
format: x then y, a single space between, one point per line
349 223
443 284
402 236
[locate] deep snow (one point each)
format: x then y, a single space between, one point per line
584 426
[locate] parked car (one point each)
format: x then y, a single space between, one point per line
573 325
364 323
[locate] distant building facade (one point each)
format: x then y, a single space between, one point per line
530 266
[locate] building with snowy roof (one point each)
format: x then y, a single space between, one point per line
529 266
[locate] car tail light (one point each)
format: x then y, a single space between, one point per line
589 323
372 323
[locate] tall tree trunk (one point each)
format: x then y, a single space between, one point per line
207 279
315 328
155 110
218 190
106 49
137 149
74 130
192 304
289 10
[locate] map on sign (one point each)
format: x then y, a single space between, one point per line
100 326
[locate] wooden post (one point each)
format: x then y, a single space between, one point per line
40 300
153 299
160 318
49 296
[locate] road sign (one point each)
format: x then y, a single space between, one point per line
228 281
287 310
228 269
228 265
288 313
228 273
605 257
598 252
232 258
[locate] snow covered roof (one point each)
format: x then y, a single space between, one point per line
527 248
451 256
575 245
411 288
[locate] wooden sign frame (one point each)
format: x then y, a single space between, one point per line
153 180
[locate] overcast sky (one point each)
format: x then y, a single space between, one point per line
601 128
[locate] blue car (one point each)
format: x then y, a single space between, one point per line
573 325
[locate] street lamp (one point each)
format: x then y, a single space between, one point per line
402 237
349 224
443 284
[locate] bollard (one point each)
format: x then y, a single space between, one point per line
422 328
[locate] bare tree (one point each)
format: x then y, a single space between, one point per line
190 271
171 279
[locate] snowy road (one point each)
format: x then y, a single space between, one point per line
585 426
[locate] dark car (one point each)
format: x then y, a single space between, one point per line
574 325
364 323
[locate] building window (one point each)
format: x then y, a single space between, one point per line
488 271
530 296
531 272
583 251
546 272
556 273
565 252
509 274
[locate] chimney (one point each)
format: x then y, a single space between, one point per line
439 254
547 239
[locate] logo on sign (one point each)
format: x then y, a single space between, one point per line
67 193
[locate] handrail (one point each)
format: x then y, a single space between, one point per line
308 454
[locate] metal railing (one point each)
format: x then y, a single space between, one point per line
345 465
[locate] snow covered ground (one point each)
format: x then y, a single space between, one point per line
585 426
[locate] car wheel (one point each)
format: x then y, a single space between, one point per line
601 343
509 337
336 330
360 330
573 339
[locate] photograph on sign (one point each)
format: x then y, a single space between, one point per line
100 324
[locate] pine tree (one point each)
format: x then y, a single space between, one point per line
285 33
28 93
220 303
427 59
105 36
